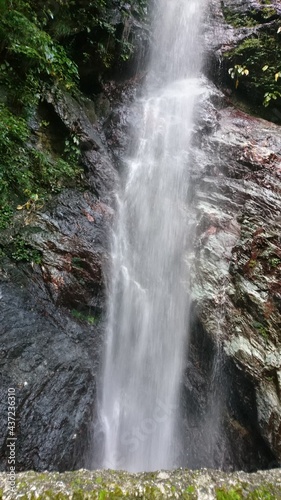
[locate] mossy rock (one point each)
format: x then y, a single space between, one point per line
107 484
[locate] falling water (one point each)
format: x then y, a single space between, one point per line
138 425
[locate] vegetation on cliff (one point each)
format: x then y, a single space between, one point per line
47 46
255 62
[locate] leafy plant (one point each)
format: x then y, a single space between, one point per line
6 213
27 173
237 72
23 252
232 494
23 38
72 150
39 42
260 60
14 156
31 203
275 262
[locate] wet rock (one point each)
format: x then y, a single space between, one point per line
52 311
49 359
51 325
78 117
236 271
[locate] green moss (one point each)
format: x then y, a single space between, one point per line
23 252
274 262
91 320
109 485
268 13
250 18
6 213
189 493
99 480
233 494
49 495
261 329
262 493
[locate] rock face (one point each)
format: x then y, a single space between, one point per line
236 279
236 282
193 485
52 312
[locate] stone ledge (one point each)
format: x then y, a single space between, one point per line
203 484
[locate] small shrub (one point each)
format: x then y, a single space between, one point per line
22 252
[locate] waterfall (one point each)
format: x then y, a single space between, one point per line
138 426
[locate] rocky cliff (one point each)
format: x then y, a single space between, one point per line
52 308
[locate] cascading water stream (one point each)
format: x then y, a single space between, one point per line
148 304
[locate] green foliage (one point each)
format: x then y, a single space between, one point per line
71 149
251 17
50 175
91 320
271 96
261 57
6 213
14 156
238 20
25 171
262 493
29 60
237 72
33 49
233 494
275 262
39 41
268 13
22 252
95 24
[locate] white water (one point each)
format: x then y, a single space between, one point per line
147 333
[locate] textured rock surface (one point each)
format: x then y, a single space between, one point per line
236 272
193 485
52 313
236 282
